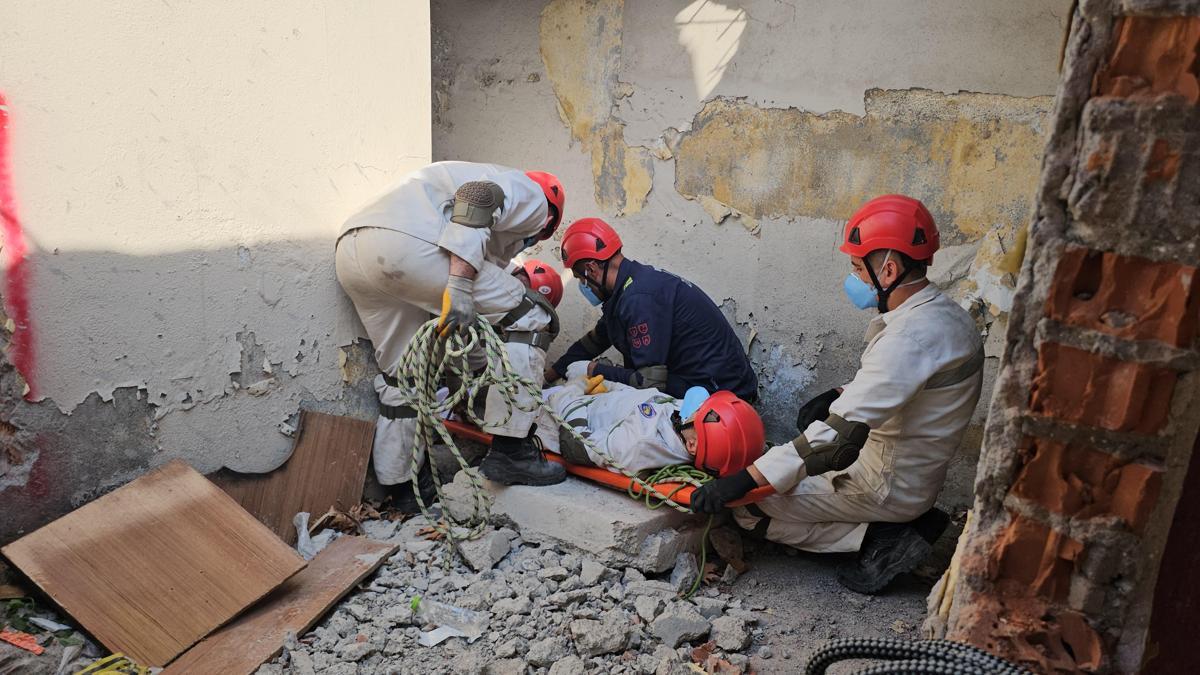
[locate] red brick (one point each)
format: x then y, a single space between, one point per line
1030 632
1131 298
1085 388
1082 482
1152 56
1031 556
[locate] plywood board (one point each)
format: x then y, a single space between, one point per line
326 470
157 564
257 637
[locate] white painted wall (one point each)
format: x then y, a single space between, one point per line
181 168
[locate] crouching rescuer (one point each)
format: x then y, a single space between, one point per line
872 456
437 246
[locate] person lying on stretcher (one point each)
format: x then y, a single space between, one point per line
643 429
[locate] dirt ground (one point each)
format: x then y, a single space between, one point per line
804 606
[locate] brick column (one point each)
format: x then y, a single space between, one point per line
1095 413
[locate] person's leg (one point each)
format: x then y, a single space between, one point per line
832 516
515 457
369 265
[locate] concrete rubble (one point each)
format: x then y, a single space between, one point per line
536 608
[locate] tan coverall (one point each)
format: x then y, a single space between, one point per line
393 261
917 387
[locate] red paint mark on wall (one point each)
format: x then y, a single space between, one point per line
16 274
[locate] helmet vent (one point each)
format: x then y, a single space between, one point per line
600 245
554 189
919 237
712 417
854 237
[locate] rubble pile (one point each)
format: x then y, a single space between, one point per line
509 606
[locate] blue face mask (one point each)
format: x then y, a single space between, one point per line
529 241
860 293
588 293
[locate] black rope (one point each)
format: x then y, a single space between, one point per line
911 657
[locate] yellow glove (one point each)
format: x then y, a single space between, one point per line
458 306
595 385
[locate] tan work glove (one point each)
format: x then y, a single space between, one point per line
458 306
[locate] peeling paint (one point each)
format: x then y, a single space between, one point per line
581 48
970 157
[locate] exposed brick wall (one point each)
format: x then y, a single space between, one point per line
1092 424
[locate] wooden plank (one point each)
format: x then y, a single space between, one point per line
257 637
157 564
326 470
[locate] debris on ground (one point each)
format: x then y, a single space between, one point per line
501 605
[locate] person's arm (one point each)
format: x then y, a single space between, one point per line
892 373
594 343
525 211
649 324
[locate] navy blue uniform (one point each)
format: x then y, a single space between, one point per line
655 318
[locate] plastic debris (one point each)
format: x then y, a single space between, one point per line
463 622
309 546
439 635
23 640
47 624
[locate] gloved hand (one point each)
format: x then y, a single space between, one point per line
714 495
595 385
549 374
816 409
458 306
837 455
598 361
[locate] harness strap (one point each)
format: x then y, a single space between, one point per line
962 371
539 338
395 412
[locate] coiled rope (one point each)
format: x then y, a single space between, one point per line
426 363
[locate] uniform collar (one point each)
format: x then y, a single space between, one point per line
624 277
916 300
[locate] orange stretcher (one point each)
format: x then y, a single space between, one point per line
605 477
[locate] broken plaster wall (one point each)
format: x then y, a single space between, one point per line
728 142
179 172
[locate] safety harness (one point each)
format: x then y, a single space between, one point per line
535 338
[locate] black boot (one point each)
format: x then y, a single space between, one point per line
519 461
403 499
889 549
931 524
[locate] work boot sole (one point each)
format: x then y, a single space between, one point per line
502 470
913 551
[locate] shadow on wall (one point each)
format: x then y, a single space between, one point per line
204 355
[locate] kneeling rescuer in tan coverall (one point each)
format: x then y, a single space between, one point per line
865 472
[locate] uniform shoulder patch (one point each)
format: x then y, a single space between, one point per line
647 410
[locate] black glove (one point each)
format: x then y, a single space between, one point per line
714 495
816 409
839 454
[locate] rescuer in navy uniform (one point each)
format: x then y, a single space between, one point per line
671 335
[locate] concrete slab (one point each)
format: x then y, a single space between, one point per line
604 523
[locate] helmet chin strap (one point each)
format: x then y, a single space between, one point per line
882 293
602 290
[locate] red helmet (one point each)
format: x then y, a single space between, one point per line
553 189
589 239
729 434
894 222
544 280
